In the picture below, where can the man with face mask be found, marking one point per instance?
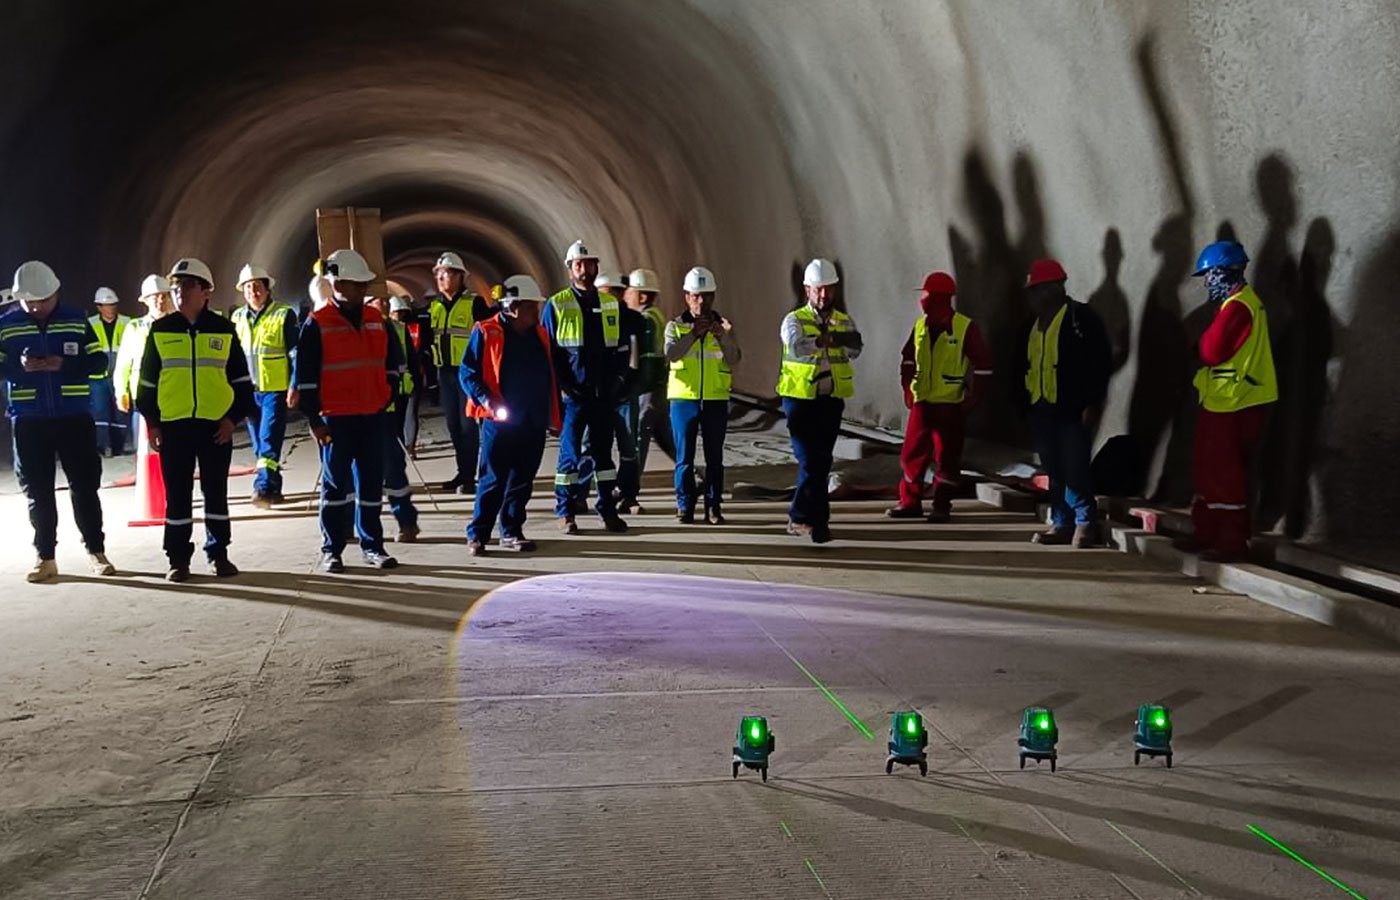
(1068, 363)
(945, 363)
(453, 312)
(819, 342)
(194, 391)
(48, 358)
(592, 369)
(347, 372)
(508, 377)
(1236, 383)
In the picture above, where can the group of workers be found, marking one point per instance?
(599, 371)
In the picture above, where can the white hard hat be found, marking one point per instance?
(606, 280)
(699, 280)
(194, 268)
(35, 281)
(251, 272)
(105, 297)
(820, 273)
(347, 265)
(320, 291)
(399, 304)
(154, 284)
(450, 260)
(520, 287)
(577, 250)
(644, 280)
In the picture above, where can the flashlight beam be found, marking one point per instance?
(1293, 855)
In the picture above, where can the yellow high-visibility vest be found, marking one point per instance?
(797, 377)
(568, 319)
(455, 324)
(1247, 378)
(940, 366)
(1043, 351)
(265, 342)
(109, 347)
(397, 330)
(702, 374)
(193, 375)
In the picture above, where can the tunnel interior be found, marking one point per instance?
(895, 138)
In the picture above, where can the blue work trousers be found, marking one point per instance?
(110, 422)
(598, 419)
(510, 460)
(352, 478)
(396, 486)
(267, 428)
(813, 426)
(692, 419)
(1063, 446)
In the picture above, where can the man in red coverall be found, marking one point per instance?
(1236, 383)
(945, 362)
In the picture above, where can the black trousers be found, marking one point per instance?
(72, 441)
(184, 443)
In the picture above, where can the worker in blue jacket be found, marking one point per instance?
(49, 356)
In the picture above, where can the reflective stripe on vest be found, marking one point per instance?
(798, 375)
(266, 346)
(193, 375)
(702, 374)
(568, 319)
(1247, 378)
(493, 347)
(452, 325)
(353, 379)
(940, 368)
(108, 347)
(1043, 352)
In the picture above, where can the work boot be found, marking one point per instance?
(714, 516)
(516, 544)
(275, 497)
(179, 573)
(476, 548)
(261, 500)
(624, 507)
(408, 534)
(101, 565)
(568, 525)
(450, 487)
(821, 534)
(912, 511)
(798, 529)
(613, 523)
(378, 559)
(43, 570)
(467, 487)
(220, 567)
(685, 516)
(1054, 536)
(332, 563)
(938, 516)
(1086, 536)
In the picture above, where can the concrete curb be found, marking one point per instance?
(1327, 606)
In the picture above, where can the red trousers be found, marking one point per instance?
(1225, 443)
(936, 430)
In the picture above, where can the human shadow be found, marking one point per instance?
(1110, 301)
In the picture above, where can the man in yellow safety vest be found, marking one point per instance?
(110, 326)
(268, 332)
(452, 313)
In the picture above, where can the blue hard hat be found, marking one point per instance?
(1221, 254)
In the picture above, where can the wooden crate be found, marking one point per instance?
(356, 229)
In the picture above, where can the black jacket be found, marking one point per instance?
(1085, 362)
(235, 370)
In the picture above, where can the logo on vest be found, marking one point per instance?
(216, 343)
(70, 348)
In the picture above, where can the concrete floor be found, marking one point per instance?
(560, 725)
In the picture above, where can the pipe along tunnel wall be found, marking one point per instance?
(894, 137)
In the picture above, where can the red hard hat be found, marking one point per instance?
(1045, 270)
(940, 283)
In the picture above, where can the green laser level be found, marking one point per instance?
(1039, 734)
(908, 738)
(1153, 736)
(752, 745)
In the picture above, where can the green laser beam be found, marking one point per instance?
(1316, 870)
(813, 869)
(786, 830)
(829, 695)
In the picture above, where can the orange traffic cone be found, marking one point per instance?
(150, 483)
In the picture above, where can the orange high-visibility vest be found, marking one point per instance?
(494, 344)
(353, 381)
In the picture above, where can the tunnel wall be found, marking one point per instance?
(895, 137)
